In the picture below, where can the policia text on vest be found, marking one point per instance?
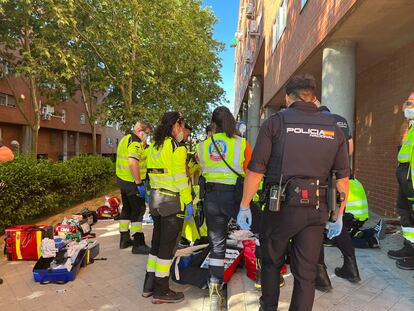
(298, 158)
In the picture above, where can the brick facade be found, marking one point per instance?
(384, 40)
(50, 139)
(380, 126)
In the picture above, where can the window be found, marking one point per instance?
(279, 24)
(82, 118)
(109, 141)
(7, 100)
(303, 3)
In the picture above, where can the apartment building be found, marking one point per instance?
(64, 128)
(360, 52)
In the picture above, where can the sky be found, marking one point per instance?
(227, 14)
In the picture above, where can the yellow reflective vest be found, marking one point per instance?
(406, 152)
(213, 167)
(130, 146)
(357, 203)
(167, 169)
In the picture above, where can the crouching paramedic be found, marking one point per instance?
(169, 187)
(223, 158)
(131, 171)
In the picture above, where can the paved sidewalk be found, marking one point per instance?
(383, 286)
(114, 284)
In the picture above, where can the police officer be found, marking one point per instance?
(220, 202)
(170, 196)
(131, 171)
(296, 150)
(405, 200)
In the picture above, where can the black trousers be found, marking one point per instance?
(304, 227)
(219, 207)
(404, 205)
(133, 206)
(165, 235)
(343, 240)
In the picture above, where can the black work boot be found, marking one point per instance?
(216, 295)
(149, 284)
(138, 244)
(163, 293)
(322, 281)
(405, 252)
(349, 270)
(405, 263)
(125, 240)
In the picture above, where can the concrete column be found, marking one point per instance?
(253, 112)
(77, 149)
(26, 146)
(339, 78)
(243, 112)
(65, 145)
(270, 110)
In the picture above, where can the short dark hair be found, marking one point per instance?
(301, 83)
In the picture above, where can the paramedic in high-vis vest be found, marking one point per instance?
(220, 203)
(169, 200)
(405, 201)
(131, 171)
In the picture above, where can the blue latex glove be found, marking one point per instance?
(190, 211)
(244, 218)
(141, 190)
(335, 228)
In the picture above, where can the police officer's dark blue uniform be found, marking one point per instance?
(304, 146)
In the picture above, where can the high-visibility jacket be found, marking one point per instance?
(213, 167)
(167, 169)
(130, 146)
(406, 152)
(406, 156)
(357, 203)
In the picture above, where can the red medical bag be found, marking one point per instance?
(23, 242)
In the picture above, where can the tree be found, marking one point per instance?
(30, 43)
(157, 55)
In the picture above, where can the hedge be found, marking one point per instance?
(33, 188)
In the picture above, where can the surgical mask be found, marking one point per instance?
(144, 137)
(409, 113)
(180, 137)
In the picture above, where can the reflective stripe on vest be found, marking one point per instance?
(214, 168)
(123, 170)
(405, 153)
(408, 233)
(357, 203)
(162, 160)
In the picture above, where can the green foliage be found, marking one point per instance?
(34, 188)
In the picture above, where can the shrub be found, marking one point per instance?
(34, 188)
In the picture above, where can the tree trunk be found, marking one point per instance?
(93, 127)
(36, 110)
(35, 138)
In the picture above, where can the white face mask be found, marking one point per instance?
(180, 137)
(409, 113)
(144, 137)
